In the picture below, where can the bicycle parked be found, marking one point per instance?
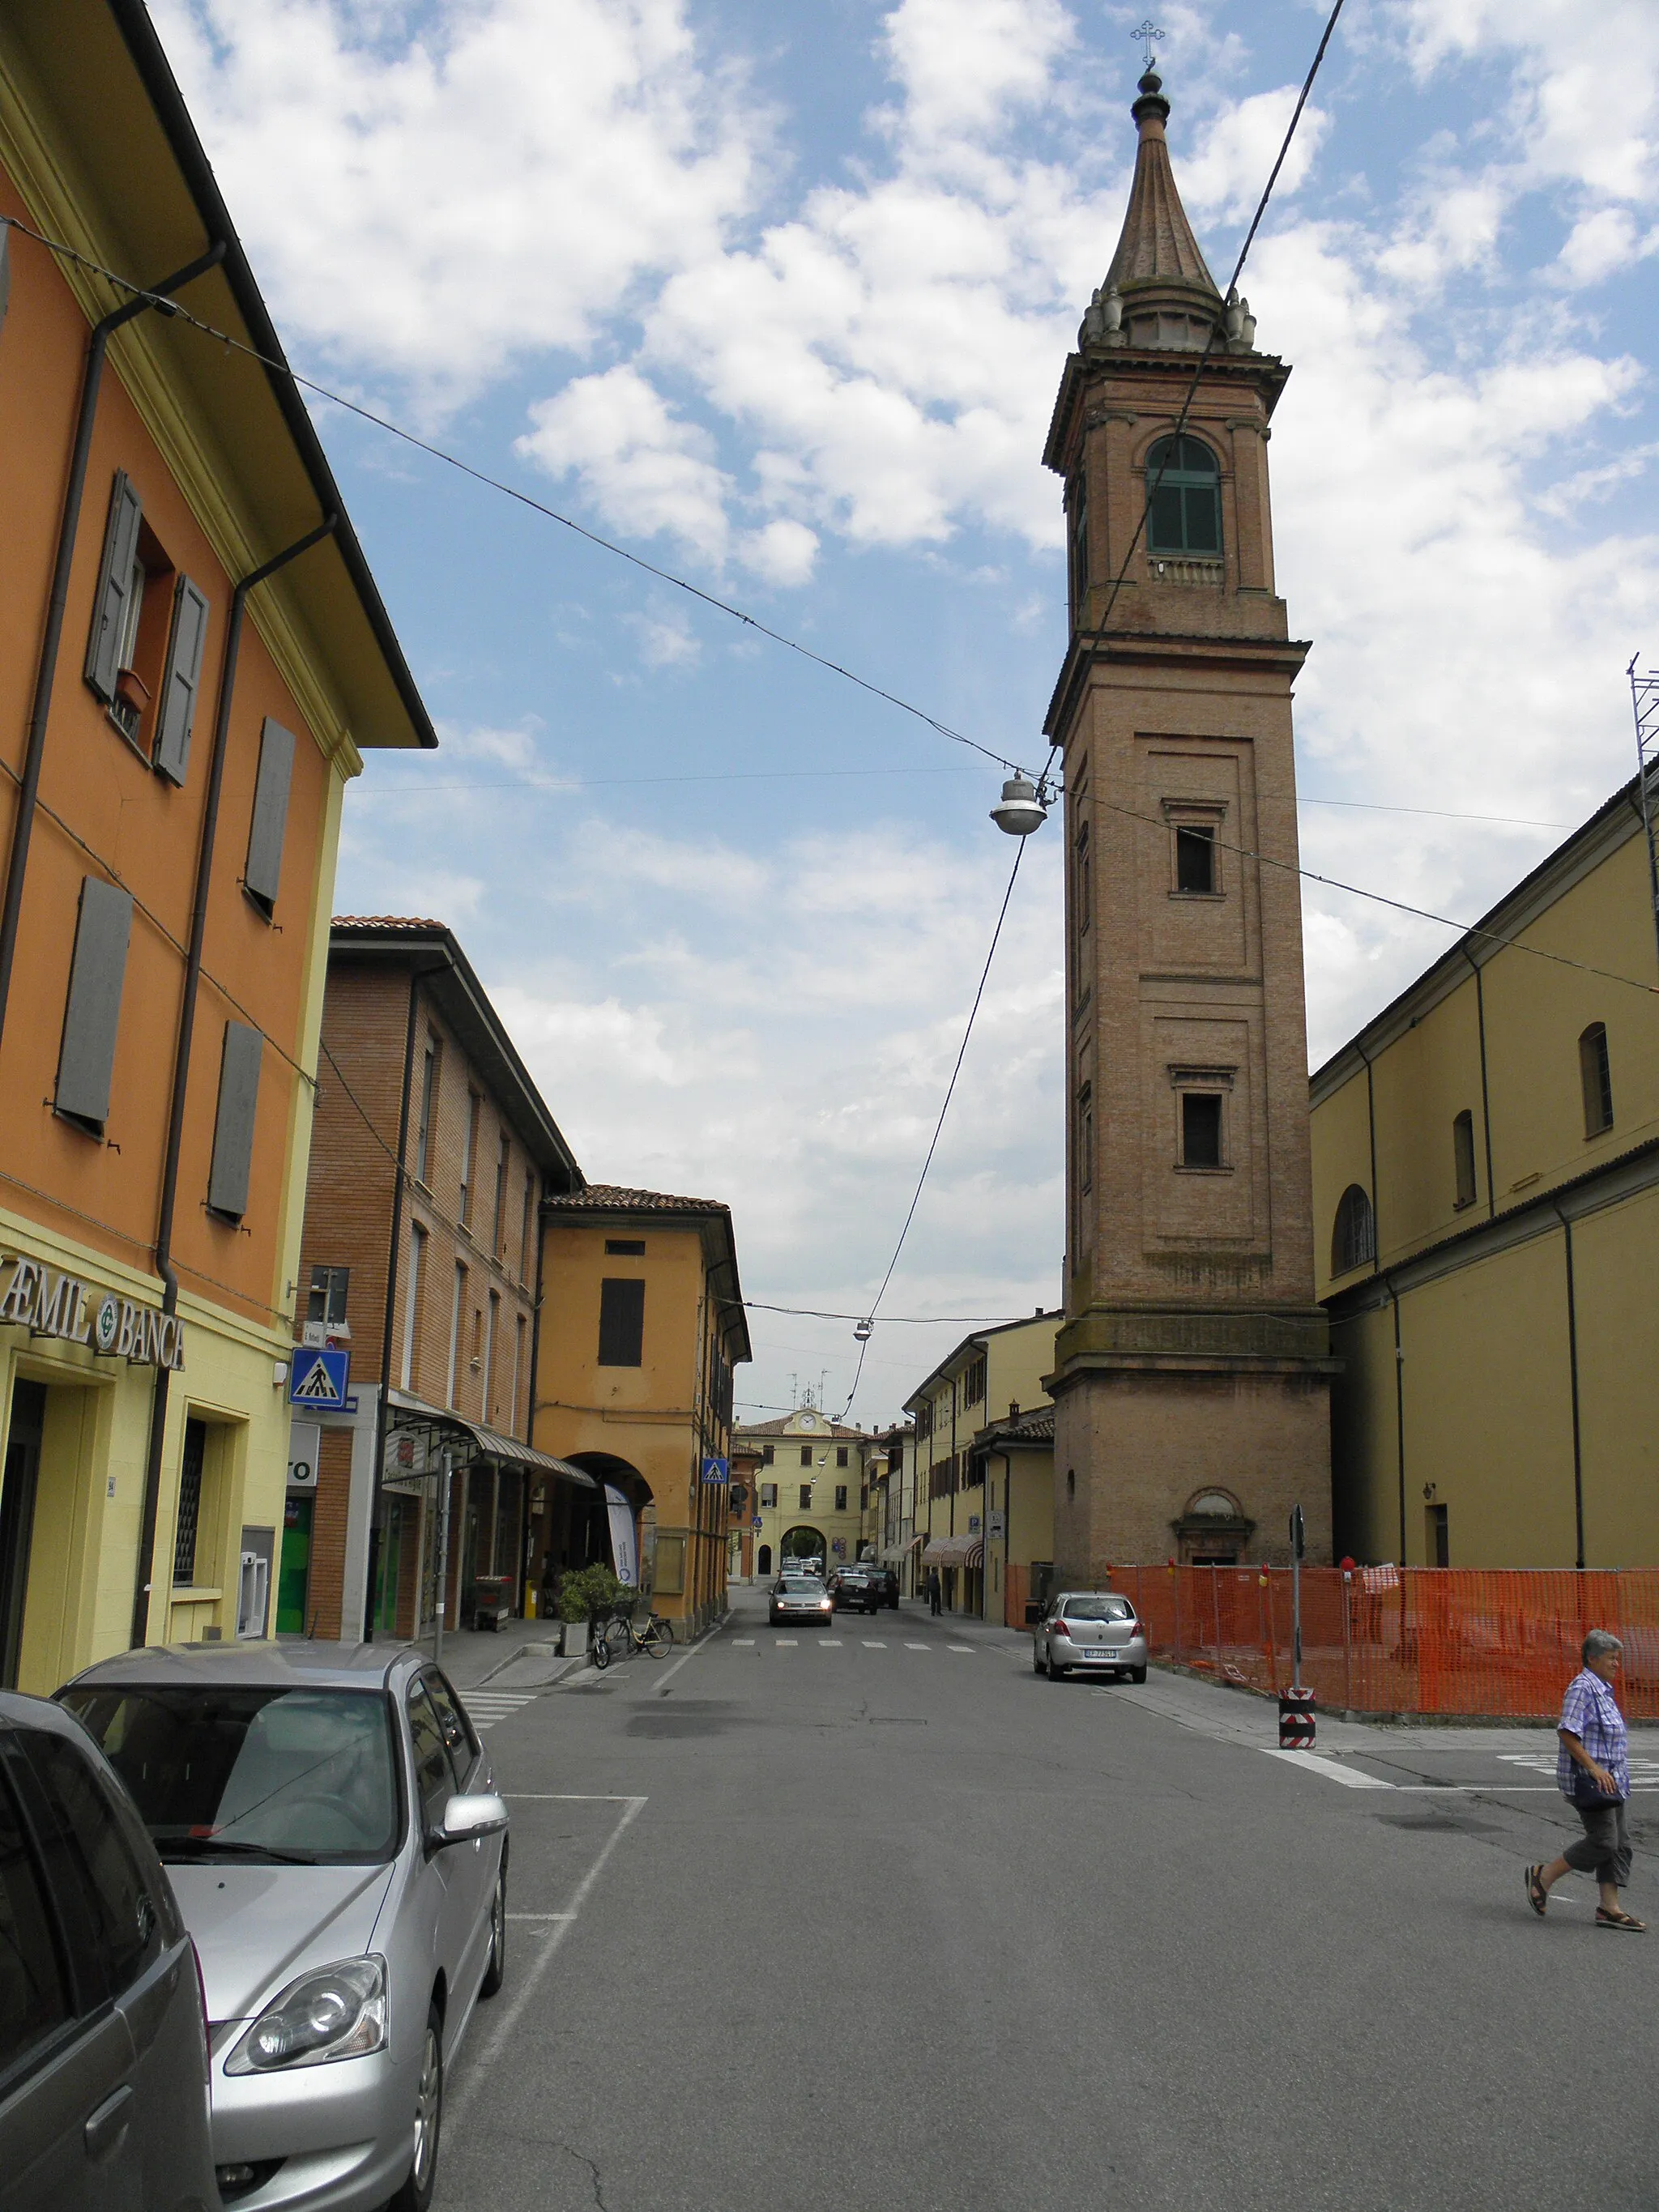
(617, 1636)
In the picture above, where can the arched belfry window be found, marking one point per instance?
(1353, 1244)
(1183, 499)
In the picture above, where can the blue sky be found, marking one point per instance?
(778, 296)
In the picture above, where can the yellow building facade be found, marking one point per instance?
(984, 1511)
(642, 1325)
(812, 1479)
(1485, 1162)
(193, 658)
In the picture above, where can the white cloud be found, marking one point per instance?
(1603, 244)
(644, 469)
(1225, 176)
(501, 179)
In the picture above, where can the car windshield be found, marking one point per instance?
(289, 1776)
(1098, 1608)
(803, 1586)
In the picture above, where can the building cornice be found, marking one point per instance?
(1272, 656)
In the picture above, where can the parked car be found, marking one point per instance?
(886, 1582)
(801, 1597)
(103, 2046)
(329, 1819)
(1096, 1631)
(852, 1590)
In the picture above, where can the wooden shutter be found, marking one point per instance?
(621, 1321)
(264, 874)
(233, 1131)
(181, 676)
(97, 972)
(109, 605)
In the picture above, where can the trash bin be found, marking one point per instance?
(491, 1600)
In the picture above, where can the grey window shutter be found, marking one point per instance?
(264, 840)
(109, 605)
(232, 1132)
(181, 679)
(97, 972)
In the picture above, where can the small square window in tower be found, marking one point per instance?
(1200, 1129)
(1194, 859)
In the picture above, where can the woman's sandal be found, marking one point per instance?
(1537, 1896)
(1625, 1920)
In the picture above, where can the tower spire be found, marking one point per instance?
(1159, 291)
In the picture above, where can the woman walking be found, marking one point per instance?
(1593, 1772)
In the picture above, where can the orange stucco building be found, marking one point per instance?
(193, 657)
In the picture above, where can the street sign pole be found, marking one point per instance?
(443, 1563)
(1298, 1544)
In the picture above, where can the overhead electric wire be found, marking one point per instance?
(896, 1320)
(172, 310)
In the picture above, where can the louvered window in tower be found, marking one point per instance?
(1183, 499)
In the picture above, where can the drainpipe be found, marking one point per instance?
(45, 671)
(1572, 1361)
(143, 1572)
(376, 1510)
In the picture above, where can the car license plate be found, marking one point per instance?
(1107, 1655)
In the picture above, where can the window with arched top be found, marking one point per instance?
(1353, 1243)
(1183, 499)
(1595, 1072)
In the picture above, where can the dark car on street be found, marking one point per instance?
(885, 1583)
(854, 1591)
(103, 2040)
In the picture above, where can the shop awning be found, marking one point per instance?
(432, 1433)
(954, 1551)
(896, 1554)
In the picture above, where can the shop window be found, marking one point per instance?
(327, 1299)
(621, 1321)
(233, 1129)
(187, 1527)
(1463, 1156)
(1595, 1073)
(98, 969)
(268, 829)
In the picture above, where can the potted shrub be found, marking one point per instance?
(588, 1594)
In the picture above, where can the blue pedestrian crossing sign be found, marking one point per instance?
(716, 1470)
(319, 1379)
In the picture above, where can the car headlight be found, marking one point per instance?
(336, 2012)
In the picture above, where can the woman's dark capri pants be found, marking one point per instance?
(1604, 1848)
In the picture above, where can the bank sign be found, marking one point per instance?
(49, 1305)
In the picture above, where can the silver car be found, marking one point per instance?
(801, 1597)
(1092, 1632)
(327, 1816)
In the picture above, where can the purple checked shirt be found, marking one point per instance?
(1590, 1712)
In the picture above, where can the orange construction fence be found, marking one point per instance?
(1500, 1641)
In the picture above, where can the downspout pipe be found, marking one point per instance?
(34, 750)
(400, 1174)
(143, 1572)
(1572, 1371)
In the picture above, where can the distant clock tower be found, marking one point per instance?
(1193, 1371)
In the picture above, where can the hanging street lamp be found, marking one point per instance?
(1025, 807)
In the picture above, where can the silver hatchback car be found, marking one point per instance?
(1092, 1632)
(801, 1597)
(327, 1816)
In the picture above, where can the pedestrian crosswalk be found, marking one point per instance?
(485, 1707)
(866, 1643)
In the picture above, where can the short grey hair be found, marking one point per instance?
(1598, 1643)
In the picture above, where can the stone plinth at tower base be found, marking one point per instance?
(1190, 1435)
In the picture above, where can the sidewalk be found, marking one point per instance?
(472, 1656)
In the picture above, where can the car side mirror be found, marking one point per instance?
(467, 1819)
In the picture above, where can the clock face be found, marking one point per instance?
(807, 1421)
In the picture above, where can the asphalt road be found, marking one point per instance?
(876, 1926)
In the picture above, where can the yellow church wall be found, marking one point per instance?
(1341, 1156)
(1364, 1438)
(1618, 1381)
(1422, 1082)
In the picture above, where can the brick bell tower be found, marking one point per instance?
(1192, 1372)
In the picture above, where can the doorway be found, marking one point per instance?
(22, 1482)
(763, 1560)
(294, 1574)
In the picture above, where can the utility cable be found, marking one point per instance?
(950, 1093)
(896, 1320)
(278, 367)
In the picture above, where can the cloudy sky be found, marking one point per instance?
(778, 295)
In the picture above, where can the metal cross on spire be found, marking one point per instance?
(1147, 32)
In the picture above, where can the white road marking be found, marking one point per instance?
(742, 1642)
(659, 1687)
(787, 1643)
(830, 1643)
(918, 1647)
(870, 1644)
(503, 2023)
(960, 1647)
(1317, 1762)
(541, 1915)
